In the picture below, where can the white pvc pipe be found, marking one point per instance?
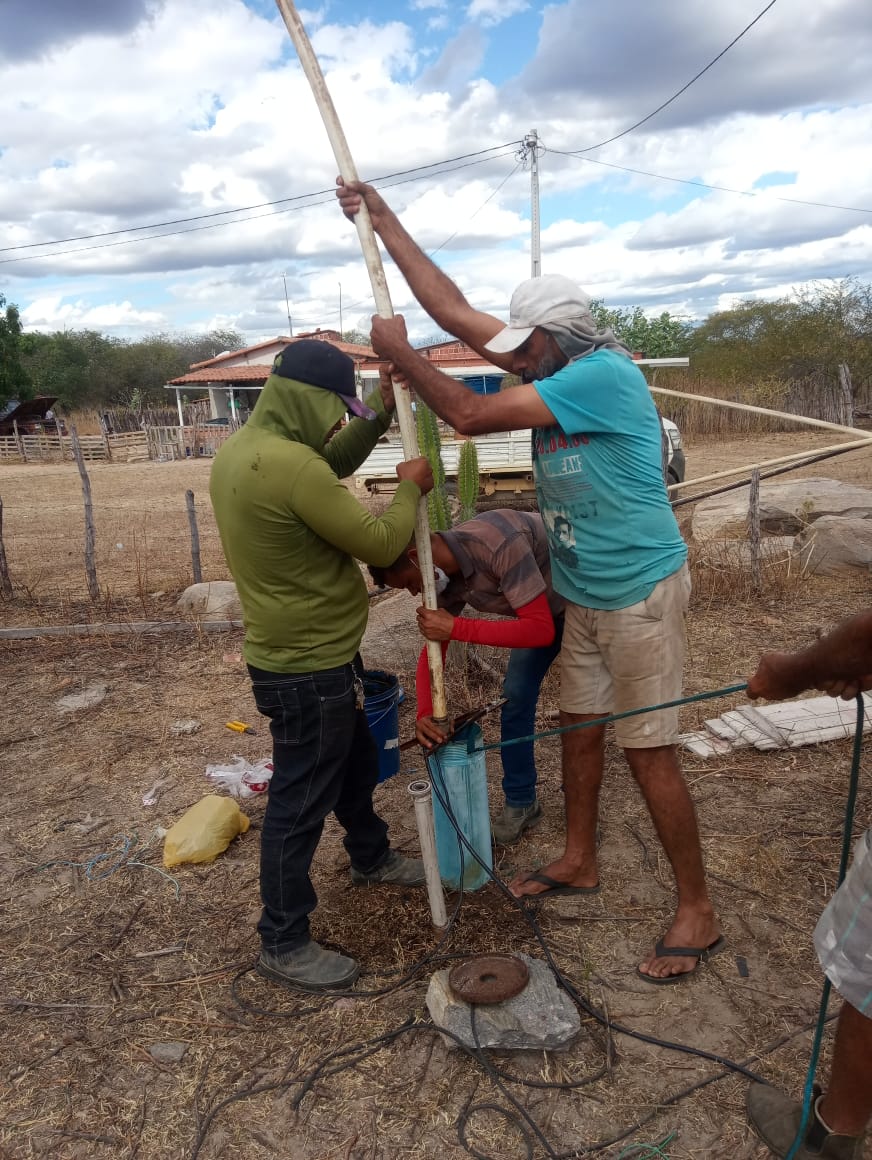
(406, 419)
(420, 791)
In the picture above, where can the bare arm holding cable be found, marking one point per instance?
(840, 663)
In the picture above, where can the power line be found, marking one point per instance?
(684, 88)
(386, 184)
(489, 198)
(324, 200)
(213, 225)
(442, 245)
(703, 185)
(303, 201)
(285, 201)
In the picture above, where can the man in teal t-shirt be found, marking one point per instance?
(617, 555)
(600, 483)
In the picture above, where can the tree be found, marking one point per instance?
(662, 336)
(83, 368)
(78, 367)
(802, 336)
(14, 379)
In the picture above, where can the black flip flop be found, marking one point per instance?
(555, 888)
(701, 954)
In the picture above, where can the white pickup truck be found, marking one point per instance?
(504, 462)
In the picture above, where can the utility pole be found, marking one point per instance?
(531, 150)
(339, 284)
(288, 306)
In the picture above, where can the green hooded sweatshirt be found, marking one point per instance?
(291, 530)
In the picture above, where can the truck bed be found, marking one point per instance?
(502, 459)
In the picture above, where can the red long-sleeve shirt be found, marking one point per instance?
(532, 626)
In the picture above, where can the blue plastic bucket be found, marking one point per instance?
(459, 773)
(381, 693)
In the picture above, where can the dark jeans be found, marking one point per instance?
(324, 759)
(524, 676)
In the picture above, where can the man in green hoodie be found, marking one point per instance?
(292, 534)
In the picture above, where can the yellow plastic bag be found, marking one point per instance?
(204, 831)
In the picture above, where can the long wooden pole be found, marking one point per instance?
(348, 170)
(803, 420)
(797, 457)
(779, 470)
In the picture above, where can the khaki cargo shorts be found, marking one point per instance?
(843, 936)
(627, 658)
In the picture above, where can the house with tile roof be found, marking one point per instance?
(233, 380)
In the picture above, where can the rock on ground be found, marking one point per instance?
(831, 545)
(786, 509)
(541, 1018)
(215, 598)
(91, 696)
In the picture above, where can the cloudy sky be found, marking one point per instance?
(163, 165)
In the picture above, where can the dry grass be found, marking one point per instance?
(143, 543)
(84, 997)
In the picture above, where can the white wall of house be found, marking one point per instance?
(263, 356)
(369, 375)
(219, 401)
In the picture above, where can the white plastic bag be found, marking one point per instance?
(241, 779)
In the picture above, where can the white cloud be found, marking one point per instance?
(490, 12)
(53, 313)
(210, 111)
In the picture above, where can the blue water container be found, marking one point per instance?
(381, 698)
(458, 772)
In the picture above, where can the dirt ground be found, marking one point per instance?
(133, 1026)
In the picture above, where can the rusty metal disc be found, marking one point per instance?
(489, 978)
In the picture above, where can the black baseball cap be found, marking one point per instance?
(320, 364)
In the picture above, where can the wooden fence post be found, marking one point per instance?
(60, 436)
(18, 440)
(5, 582)
(847, 394)
(90, 566)
(754, 529)
(195, 537)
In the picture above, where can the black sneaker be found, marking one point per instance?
(512, 822)
(775, 1117)
(308, 968)
(396, 870)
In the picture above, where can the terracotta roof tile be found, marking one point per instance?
(354, 349)
(247, 372)
(449, 354)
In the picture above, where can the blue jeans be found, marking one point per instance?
(524, 676)
(324, 759)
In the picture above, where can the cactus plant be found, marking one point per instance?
(430, 444)
(467, 479)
